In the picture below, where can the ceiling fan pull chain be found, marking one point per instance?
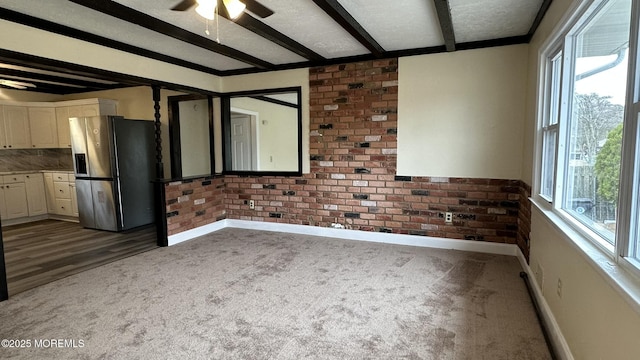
(217, 26)
(206, 31)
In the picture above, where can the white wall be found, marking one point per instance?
(594, 318)
(462, 114)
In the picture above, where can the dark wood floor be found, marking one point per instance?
(41, 252)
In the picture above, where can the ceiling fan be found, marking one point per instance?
(232, 8)
(16, 84)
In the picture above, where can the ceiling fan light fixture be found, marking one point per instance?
(234, 7)
(206, 8)
(16, 84)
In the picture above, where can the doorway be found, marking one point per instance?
(244, 140)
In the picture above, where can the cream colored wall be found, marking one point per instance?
(595, 320)
(277, 79)
(194, 137)
(462, 114)
(33, 41)
(21, 95)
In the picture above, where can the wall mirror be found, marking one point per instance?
(191, 135)
(263, 132)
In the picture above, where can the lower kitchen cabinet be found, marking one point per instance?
(15, 200)
(61, 194)
(28, 197)
(36, 196)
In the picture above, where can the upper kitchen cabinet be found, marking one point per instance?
(79, 108)
(42, 123)
(14, 125)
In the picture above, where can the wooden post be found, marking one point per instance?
(4, 289)
(156, 106)
(161, 212)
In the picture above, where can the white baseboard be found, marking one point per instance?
(388, 238)
(553, 329)
(197, 232)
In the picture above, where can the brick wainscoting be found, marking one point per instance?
(194, 203)
(353, 181)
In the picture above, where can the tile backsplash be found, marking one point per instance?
(35, 159)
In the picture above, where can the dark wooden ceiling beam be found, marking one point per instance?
(62, 81)
(149, 22)
(446, 24)
(50, 26)
(536, 22)
(342, 17)
(258, 27)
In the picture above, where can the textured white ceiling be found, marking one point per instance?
(397, 25)
(305, 22)
(79, 17)
(475, 20)
(230, 34)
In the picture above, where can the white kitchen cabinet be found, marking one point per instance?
(15, 127)
(36, 196)
(50, 193)
(61, 193)
(62, 127)
(43, 127)
(74, 199)
(91, 107)
(15, 198)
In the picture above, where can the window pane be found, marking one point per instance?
(554, 101)
(595, 133)
(548, 162)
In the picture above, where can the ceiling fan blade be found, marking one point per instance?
(184, 5)
(257, 8)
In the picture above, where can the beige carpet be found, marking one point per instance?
(244, 294)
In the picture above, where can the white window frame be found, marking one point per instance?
(628, 220)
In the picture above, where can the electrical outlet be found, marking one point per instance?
(448, 217)
(559, 290)
(539, 275)
(252, 204)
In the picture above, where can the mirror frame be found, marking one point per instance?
(226, 131)
(175, 145)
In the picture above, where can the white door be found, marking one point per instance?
(241, 142)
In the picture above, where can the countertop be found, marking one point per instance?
(34, 171)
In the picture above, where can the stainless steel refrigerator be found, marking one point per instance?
(113, 163)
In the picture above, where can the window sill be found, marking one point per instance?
(621, 280)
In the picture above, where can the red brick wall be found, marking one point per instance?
(353, 147)
(194, 203)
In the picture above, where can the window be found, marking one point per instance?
(582, 128)
(550, 126)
